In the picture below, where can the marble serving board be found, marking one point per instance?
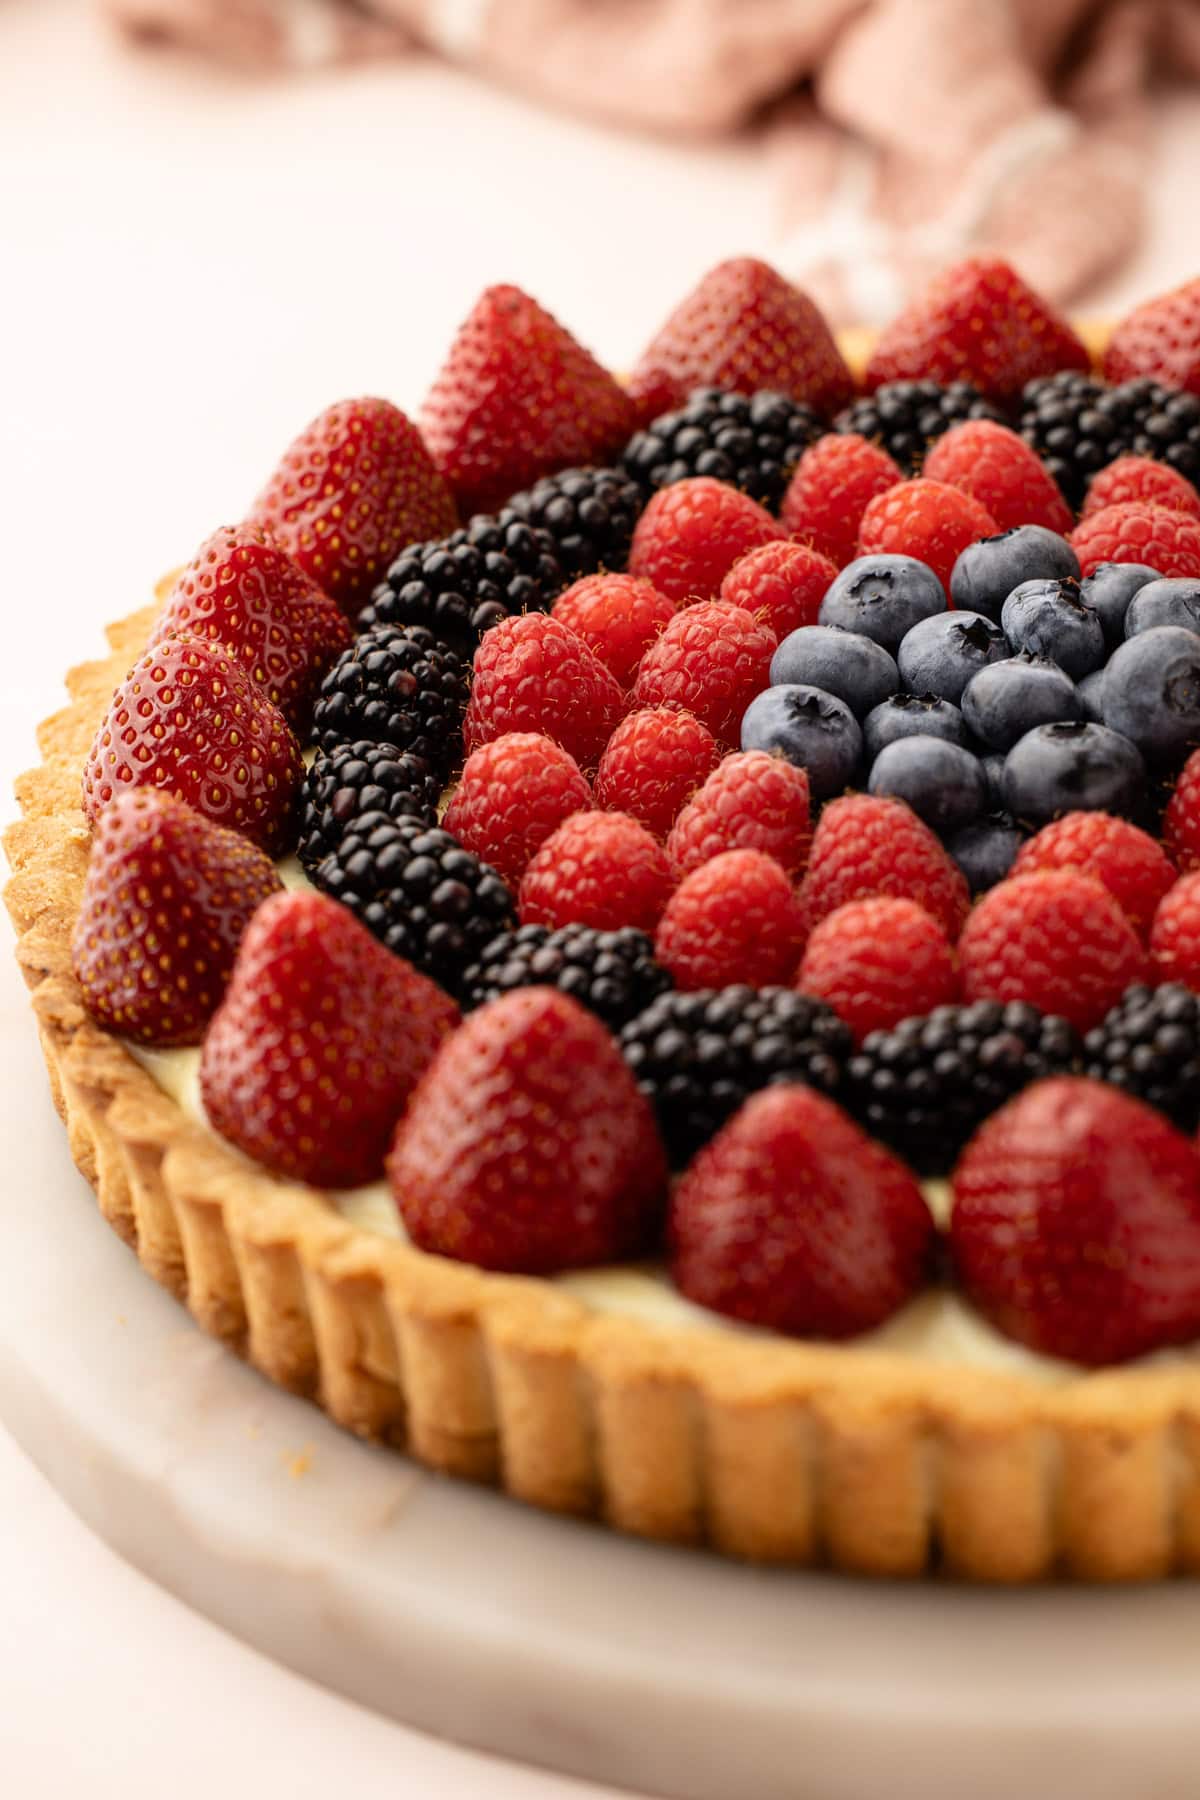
(671, 1673)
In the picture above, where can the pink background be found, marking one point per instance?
(191, 267)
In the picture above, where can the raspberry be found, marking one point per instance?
(1175, 935)
(1076, 1223)
(527, 1146)
(1057, 939)
(711, 660)
(1123, 859)
(617, 616)
(598, 868)
(692, 533)
(511, 795)
(866, 845)
(1181, 823)
(784, 584)
(1141, 479)
(1134, 532)
(793, 1219)
(830, 491)
(753, 801)
(532, 674)
(879, 961)
(996, 467)
(925, 519)
(653, 764)
(736, 919)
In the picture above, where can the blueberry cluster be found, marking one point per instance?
(1036, 693)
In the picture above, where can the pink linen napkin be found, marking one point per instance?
(904, 133)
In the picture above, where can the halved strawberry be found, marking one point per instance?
(242, 592)
(189, 719)
(516, 398)
(1076, 1223)
(1160, 338)
(350, 492)
(320, 1040)
(792, 1218)
(743, 327)
(976, 321)
(167, 897)
(528, 1146)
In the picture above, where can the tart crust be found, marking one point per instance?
(770, 1450)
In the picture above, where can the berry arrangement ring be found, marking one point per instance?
(638, 941)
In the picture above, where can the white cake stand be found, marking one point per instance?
(458, 1611)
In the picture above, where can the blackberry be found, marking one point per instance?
(460, 585)
(396, 685)
(353, 779)
(1078, 426)
(925, 1086)
(1149, 1045)
(588, 513)
(698, 1056)
(1163, 422)
(612, 972)
(751, 441)
(904, 417)
(419, 892)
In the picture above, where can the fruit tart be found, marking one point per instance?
(640, 941)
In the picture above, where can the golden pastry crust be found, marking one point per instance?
(764, 1449)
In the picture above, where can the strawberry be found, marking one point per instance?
(188, 718)
(1076, 1223)
(349, 493)
(1161, 339)
(743, 328)
(321, 1038)
(518, 398)
(243, 592)
(977, 321)
(793, 1219)
(166, 900)
(528, 1146)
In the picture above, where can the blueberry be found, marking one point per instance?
(943, 783)
(815, 731)
(986, 850)
(883, 597)
(1007, 699)
(1164, 603)
(1081, 767)
(939, 656)
(987, 571)
(1091, 695)
(1049, 618)
(845, 663)
(1109, 589)
(993, 774)
(1152, 692)
(912, 715)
